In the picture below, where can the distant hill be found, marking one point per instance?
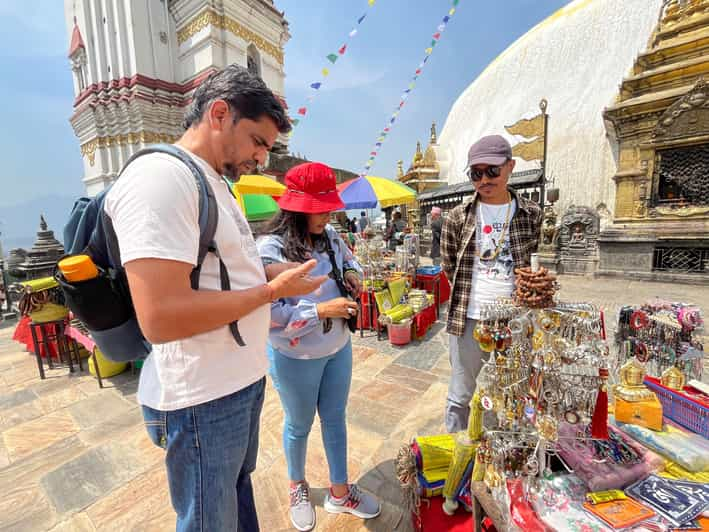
(19, 223)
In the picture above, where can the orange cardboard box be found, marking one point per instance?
(644, 413)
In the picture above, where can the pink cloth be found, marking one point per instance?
(81, 338)
(604, 475)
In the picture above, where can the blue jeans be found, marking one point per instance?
(211, 453)
(304, 386)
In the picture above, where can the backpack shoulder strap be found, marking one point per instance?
(208, 219)
(208, 212)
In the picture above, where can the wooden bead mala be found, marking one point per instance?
(535, 289)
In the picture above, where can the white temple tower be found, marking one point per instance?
(137, 62)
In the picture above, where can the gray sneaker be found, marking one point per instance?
(301, 512)
(356, 502)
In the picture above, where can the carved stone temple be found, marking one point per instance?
(41, 259)
(660, 228)
(578, 241)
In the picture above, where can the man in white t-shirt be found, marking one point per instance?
(201, 393)
(482, 242)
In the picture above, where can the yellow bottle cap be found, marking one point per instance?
(78, 268)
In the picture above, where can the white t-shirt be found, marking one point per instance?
(154, 209)
(492, 279)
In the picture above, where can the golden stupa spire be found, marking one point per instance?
(418, 156)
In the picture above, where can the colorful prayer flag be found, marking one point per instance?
(332, 58)
(428, 51)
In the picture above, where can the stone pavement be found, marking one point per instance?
(74, 457)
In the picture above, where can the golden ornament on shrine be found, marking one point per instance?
(632, 373)
(673, 378)
(631, 387)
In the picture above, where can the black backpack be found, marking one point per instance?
(104, 303)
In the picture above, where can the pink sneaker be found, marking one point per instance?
(356, 502)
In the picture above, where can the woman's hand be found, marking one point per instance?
(340, 307)
(353, 283)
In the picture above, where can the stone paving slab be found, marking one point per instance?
(96, 409)
(74, 457)
(90, 476)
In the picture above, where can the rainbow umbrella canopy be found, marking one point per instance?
(369, 191)
(255, 194)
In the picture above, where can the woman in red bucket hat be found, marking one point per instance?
(310, 349)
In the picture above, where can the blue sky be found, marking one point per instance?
(41, 155)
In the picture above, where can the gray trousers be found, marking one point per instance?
(466, 359)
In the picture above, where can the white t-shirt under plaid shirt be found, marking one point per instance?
(492, 279)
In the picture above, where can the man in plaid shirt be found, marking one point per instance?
(483, 241)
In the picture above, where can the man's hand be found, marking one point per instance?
(340, 307)
(353, 283)
(275, 269)
(296, 281)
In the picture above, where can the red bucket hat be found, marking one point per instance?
(311, 188)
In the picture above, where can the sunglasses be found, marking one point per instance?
(490, 171)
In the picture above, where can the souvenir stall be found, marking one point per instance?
(389, 299)
(543, 450)
(43, 324)
(434, 280)
(663, 340)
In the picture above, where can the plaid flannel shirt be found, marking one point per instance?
(458, 250)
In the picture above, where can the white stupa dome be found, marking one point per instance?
(576, 60)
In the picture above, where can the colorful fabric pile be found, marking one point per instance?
(433, 457)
